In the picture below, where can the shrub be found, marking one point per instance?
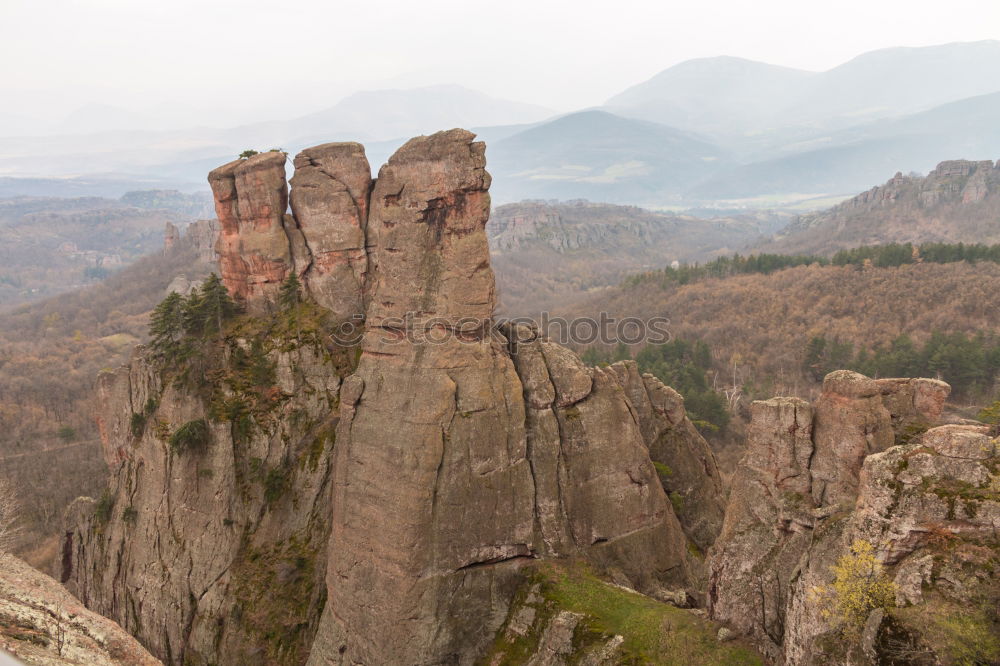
(192, 436)
(67, 434)
(859, 587)
(105, 505)
(275, 484)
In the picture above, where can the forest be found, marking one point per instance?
(970, 363)
(879, 256)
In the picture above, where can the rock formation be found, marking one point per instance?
(818, 479)
(545, 253)
(329, 201)
(41, 623)
(379, 503)
(251, 197)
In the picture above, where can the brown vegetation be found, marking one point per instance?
(758, 326)
(49, 246)
(9, 516)
(50, 355)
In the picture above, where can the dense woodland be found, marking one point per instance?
(879, 256)
(761, 326)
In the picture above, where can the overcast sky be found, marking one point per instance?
(225, 62)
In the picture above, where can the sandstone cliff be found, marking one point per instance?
(279, 493)
(41, 623)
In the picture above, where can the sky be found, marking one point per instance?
(222, 63)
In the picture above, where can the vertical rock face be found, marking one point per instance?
(851, 422)
(251, 197)
(452, 471)
(432, 500)
(429, 211)
(329, 199)
(790, 509)
(215, 555)
(170, 237)
(453, 454)
(768, 524)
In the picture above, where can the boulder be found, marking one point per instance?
(42, 623)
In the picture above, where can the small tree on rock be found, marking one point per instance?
(166, 325)
(290, 293)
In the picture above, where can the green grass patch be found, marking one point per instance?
(653, 632)
(663, 470)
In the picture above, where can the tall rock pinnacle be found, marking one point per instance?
(330, 191)
(418, 478)
(251, 197)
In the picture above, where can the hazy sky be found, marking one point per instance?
(223, 62)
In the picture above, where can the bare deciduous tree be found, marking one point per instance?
(9, 515)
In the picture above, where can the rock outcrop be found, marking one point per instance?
(42, 623)
(329, 199)
(545, 253)
(214, 552)
(817, 480)
(251, 197)
(284, 495)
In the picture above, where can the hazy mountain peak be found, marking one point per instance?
(390, 113)
(727, 95)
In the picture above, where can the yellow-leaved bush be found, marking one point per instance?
(859, 587)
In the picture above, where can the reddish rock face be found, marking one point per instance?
(460, 459)
(851, 422)
(463, 450)
(251, 197)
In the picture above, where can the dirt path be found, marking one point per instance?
(36, 452)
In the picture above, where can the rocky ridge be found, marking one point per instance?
(953, 203)
(394, 490)
(545, 253)
(284, 496)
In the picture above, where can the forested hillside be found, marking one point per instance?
(775, 333)
(50, 245)
(50, 355)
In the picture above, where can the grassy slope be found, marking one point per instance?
(653, 632)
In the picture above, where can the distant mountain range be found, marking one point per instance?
(733, 97)
(709, 132)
